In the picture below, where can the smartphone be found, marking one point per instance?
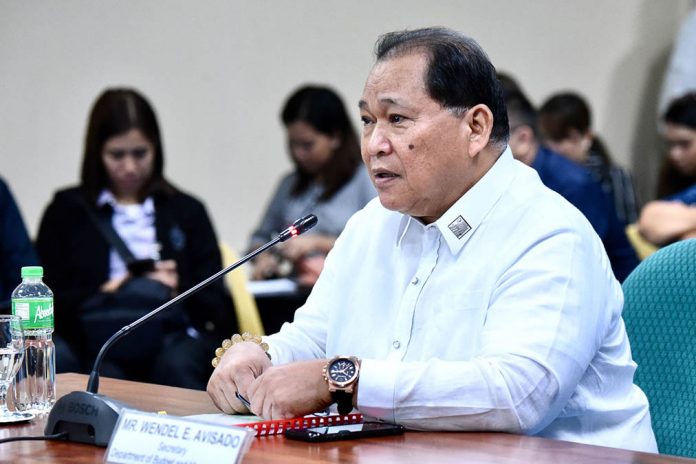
(344, 432)
(139, 267)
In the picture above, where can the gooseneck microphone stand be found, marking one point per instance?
(89, 417)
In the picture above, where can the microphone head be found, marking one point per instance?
(298, 227)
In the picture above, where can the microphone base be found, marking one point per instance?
(87, 417)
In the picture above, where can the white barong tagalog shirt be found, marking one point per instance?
(503, 315)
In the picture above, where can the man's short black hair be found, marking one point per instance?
(562, 114)
(459, 74)
(520, 110)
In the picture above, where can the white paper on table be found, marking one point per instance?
(272, 287)
(226, 419)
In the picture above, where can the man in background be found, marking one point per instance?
(571, 180)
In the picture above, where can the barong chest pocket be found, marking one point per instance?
(457, 308)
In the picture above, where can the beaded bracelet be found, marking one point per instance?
(236, 338)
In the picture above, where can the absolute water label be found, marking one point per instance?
(35, 313)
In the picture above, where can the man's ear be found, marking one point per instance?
(586, 141)
(479, 121)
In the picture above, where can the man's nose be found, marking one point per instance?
(377, 143)
(675, 153)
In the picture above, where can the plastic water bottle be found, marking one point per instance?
(32, 301)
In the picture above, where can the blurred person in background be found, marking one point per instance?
(565, 126)
(571, 180)
(123, 185)
(329, 180)
(673, 216)
(16, 249)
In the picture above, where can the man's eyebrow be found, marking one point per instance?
(390, 101)
(362, 104)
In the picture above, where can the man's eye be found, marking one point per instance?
(682, 144)
(365, 120)
(396, 118)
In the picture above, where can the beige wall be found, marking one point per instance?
(218, 71)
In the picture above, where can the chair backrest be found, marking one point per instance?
(660, 316)
(248, 319)
(639, 243)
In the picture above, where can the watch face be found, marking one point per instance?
(341, 370)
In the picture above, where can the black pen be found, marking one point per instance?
(244, 401)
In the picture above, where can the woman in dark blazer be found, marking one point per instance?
(122, 179)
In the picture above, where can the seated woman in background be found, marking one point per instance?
(673, 216)
(123, 191)
(329, 180)
(565, 125)
(16, 249)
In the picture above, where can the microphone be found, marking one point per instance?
(89, 417)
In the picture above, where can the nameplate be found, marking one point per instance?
(141, 437)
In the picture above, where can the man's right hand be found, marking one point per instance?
(238, 368)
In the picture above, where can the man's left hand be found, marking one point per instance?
(290, 390)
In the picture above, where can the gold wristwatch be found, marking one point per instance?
(341, 373)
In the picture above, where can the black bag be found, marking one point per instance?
(104, 314)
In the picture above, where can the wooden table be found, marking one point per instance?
(420, 447)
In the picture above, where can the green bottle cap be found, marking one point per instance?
(32, 271)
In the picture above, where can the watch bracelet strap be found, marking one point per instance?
(344, 401)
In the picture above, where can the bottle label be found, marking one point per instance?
(35, 313)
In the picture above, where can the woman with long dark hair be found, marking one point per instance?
(673, 216)
(329, 180)
(168, 233)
